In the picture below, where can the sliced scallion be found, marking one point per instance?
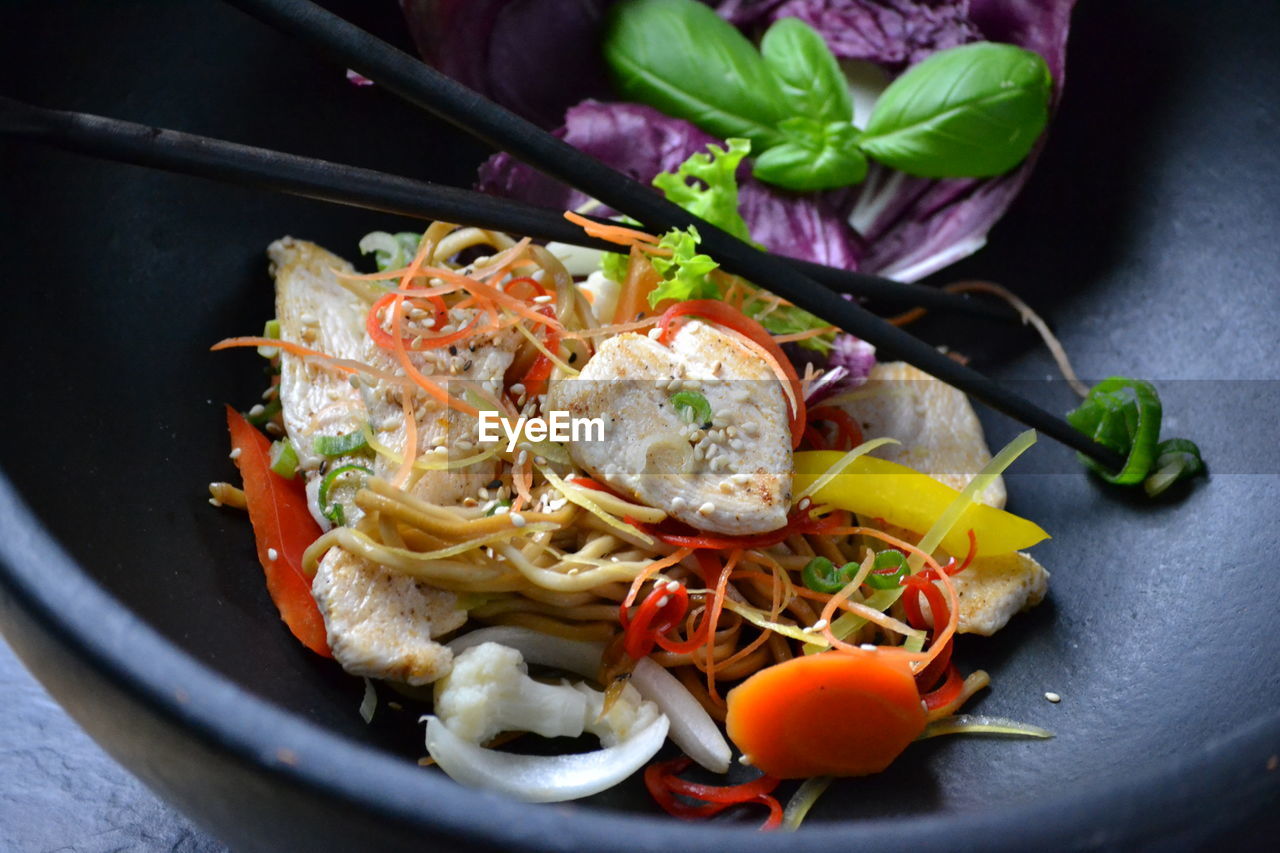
(340, 445)
(265, 414)
(284, 459)
(880, 576)
(692, 408)
(335, 512)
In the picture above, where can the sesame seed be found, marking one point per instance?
(1053, 697)
(750, 428)
(868, 647)
(235, 454)
(543, 299)
(655, 333)
(517, 389)
(503, 510)
(731, 431)
(726, 487)
(517, 519)
(269, 393)
(745, 760)
(214, 502)
(678, 503)
(256, 410)
(273, 428)
(820, 624)
(673, 586)
(707, 508)
(573, 571)
(806, 503)
(483, 493)
(664, 601)
(540, 460)
(522, 457)
(308, 319)
(273, 554)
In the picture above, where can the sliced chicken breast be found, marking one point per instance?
(992, 589)
(731, 474)
(379, 624)
(939, 433)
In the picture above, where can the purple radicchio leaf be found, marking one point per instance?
(891, 33)
(641, 142)
(845, 367)
(916, 226)
(535, 57)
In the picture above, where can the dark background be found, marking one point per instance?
(1149, 235)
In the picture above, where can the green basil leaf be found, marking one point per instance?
(682, 58)
(968, 112)
(808, 73)
(813, 157)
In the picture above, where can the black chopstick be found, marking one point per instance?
(262, 168)
(416, 82)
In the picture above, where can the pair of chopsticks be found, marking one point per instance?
(262, 168)
(422, 86)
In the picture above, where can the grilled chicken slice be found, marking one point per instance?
(379, 624)
(731, 475)
(939, 432)
(992, 589)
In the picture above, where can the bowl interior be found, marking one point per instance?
(1147, 235)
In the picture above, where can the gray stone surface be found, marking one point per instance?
(60, 792)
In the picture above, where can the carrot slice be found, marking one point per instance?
(283, 528)
(829, 714)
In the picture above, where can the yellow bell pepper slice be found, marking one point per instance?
(902, 496)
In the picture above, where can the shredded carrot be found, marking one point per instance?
(713, 617)
(651, 570)
(613, 233)
(287, 346)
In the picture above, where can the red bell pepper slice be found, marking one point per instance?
(283, 524)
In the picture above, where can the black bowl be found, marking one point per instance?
(1149, 234)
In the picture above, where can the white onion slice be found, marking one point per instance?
(543, 778)
(576, 656)
(692, 728)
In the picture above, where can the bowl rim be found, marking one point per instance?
(1164, 799)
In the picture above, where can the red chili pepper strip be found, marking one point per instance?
(911, 603)
(726, 315)
(661, 611)
(282, 525)
(535, 379)
(664, 785)
(927, 678)
(947, 693)
(846, 426)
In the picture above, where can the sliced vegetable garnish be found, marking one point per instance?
(692, 408)
(1176, 459)
(821, 575)
(259, 416)
(982, 724)
(284, 459)
(334, 511)
(665, 786)
(1124, 414)
(283, 529)
(878, 488)
(888, 571)
(830, 714)
(340, 445)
